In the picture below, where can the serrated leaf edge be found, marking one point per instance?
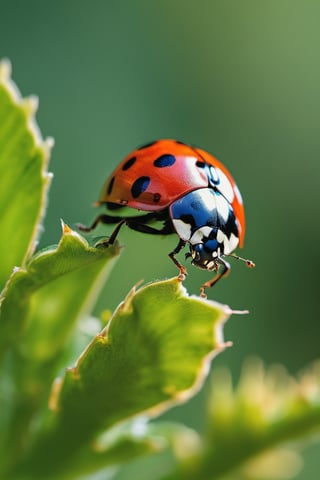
(30, 105)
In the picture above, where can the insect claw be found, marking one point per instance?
(102, 243)
(203, 293)
(182, 274)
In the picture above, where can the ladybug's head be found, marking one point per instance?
(203, 256)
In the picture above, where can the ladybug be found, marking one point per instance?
(190, 192)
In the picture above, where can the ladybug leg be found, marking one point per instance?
(115, 232)
(106, 219)
(183, 270)
(224, 271)
(113, 236)
(139, 226)
(138, 223)
(130, 221)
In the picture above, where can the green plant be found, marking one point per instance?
(153, 353)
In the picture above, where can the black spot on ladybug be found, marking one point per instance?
(129, 163)
(164, 161)
(147, 145)
(200, 164)
(156, 197)
(139, 186)
(110, 186)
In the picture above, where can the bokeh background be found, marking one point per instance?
(238, 78)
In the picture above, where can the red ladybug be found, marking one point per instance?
(186, 189)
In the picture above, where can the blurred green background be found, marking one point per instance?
(239, 78)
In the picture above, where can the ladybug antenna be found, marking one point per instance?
(248, 262)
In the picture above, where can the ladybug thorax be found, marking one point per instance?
(205, 220)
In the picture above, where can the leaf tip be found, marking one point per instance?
(237, 312)
(30, 105)
(67, 233)
(49, 142)
(66, 230)
(5, 69)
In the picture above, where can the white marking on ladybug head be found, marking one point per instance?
(198, 235)
(183, 229)
(220, 236)
(225, 186)
(211, 265)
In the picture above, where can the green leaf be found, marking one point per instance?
(130, 440)
(24, 180)
(154, 354)
(255, 430)
(44, 300)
